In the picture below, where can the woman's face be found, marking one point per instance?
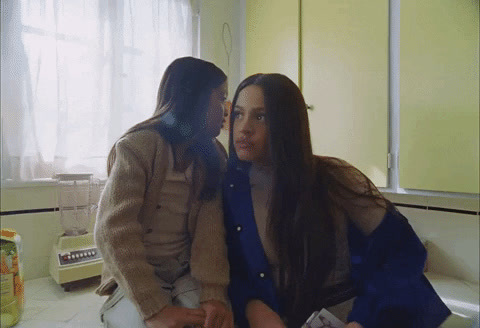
(250, 133)
(215, 110)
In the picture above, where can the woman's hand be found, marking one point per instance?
(176, 317)
(260, 315)
(217, 315)
(353, 325)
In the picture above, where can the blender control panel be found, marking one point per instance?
(79, 256)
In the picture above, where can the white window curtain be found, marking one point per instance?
(75, 74)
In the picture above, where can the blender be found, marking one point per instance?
(74, 255)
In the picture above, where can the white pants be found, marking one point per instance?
(119, 312)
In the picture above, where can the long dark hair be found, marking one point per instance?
(306, 191)
(180, 114)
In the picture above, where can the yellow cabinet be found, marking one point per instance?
(439, 95)
(272, 41)
(337, 51)
(345, 79)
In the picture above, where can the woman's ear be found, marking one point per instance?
(227, 111)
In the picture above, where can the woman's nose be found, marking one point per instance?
(246, 126)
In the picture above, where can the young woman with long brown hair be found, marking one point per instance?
(160, 223)
(308, 232)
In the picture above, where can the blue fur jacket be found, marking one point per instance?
(386, 267)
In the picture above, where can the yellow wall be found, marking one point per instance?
(213, 13)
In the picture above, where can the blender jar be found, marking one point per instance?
(75, 202)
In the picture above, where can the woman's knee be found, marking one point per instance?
(186, 292)
(119, 312)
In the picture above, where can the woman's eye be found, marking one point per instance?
(237, 115)
(261, 117)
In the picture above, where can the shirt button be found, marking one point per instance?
(262, 275)
(239, 228)
(232, 185)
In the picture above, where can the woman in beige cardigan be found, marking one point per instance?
(160, 223)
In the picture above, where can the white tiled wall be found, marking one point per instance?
(453, 241)
(453, 238)
(39, 231)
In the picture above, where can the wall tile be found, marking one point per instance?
(453, 241)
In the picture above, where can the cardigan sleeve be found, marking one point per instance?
(209, 261)
(387, 268)
(118, 233)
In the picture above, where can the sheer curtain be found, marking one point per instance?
(75, 74)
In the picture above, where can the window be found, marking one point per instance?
(77, 74)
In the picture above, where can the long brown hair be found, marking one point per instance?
(180, 114)
(306, 192)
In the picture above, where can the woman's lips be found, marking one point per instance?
(243, 144)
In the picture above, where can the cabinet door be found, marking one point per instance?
(272, 41)
(344, 73)
(439, 97)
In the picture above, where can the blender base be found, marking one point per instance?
(74, 258)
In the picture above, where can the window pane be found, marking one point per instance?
(78, 74)
(439, 95)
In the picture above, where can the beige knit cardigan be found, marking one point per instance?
(126, 205)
